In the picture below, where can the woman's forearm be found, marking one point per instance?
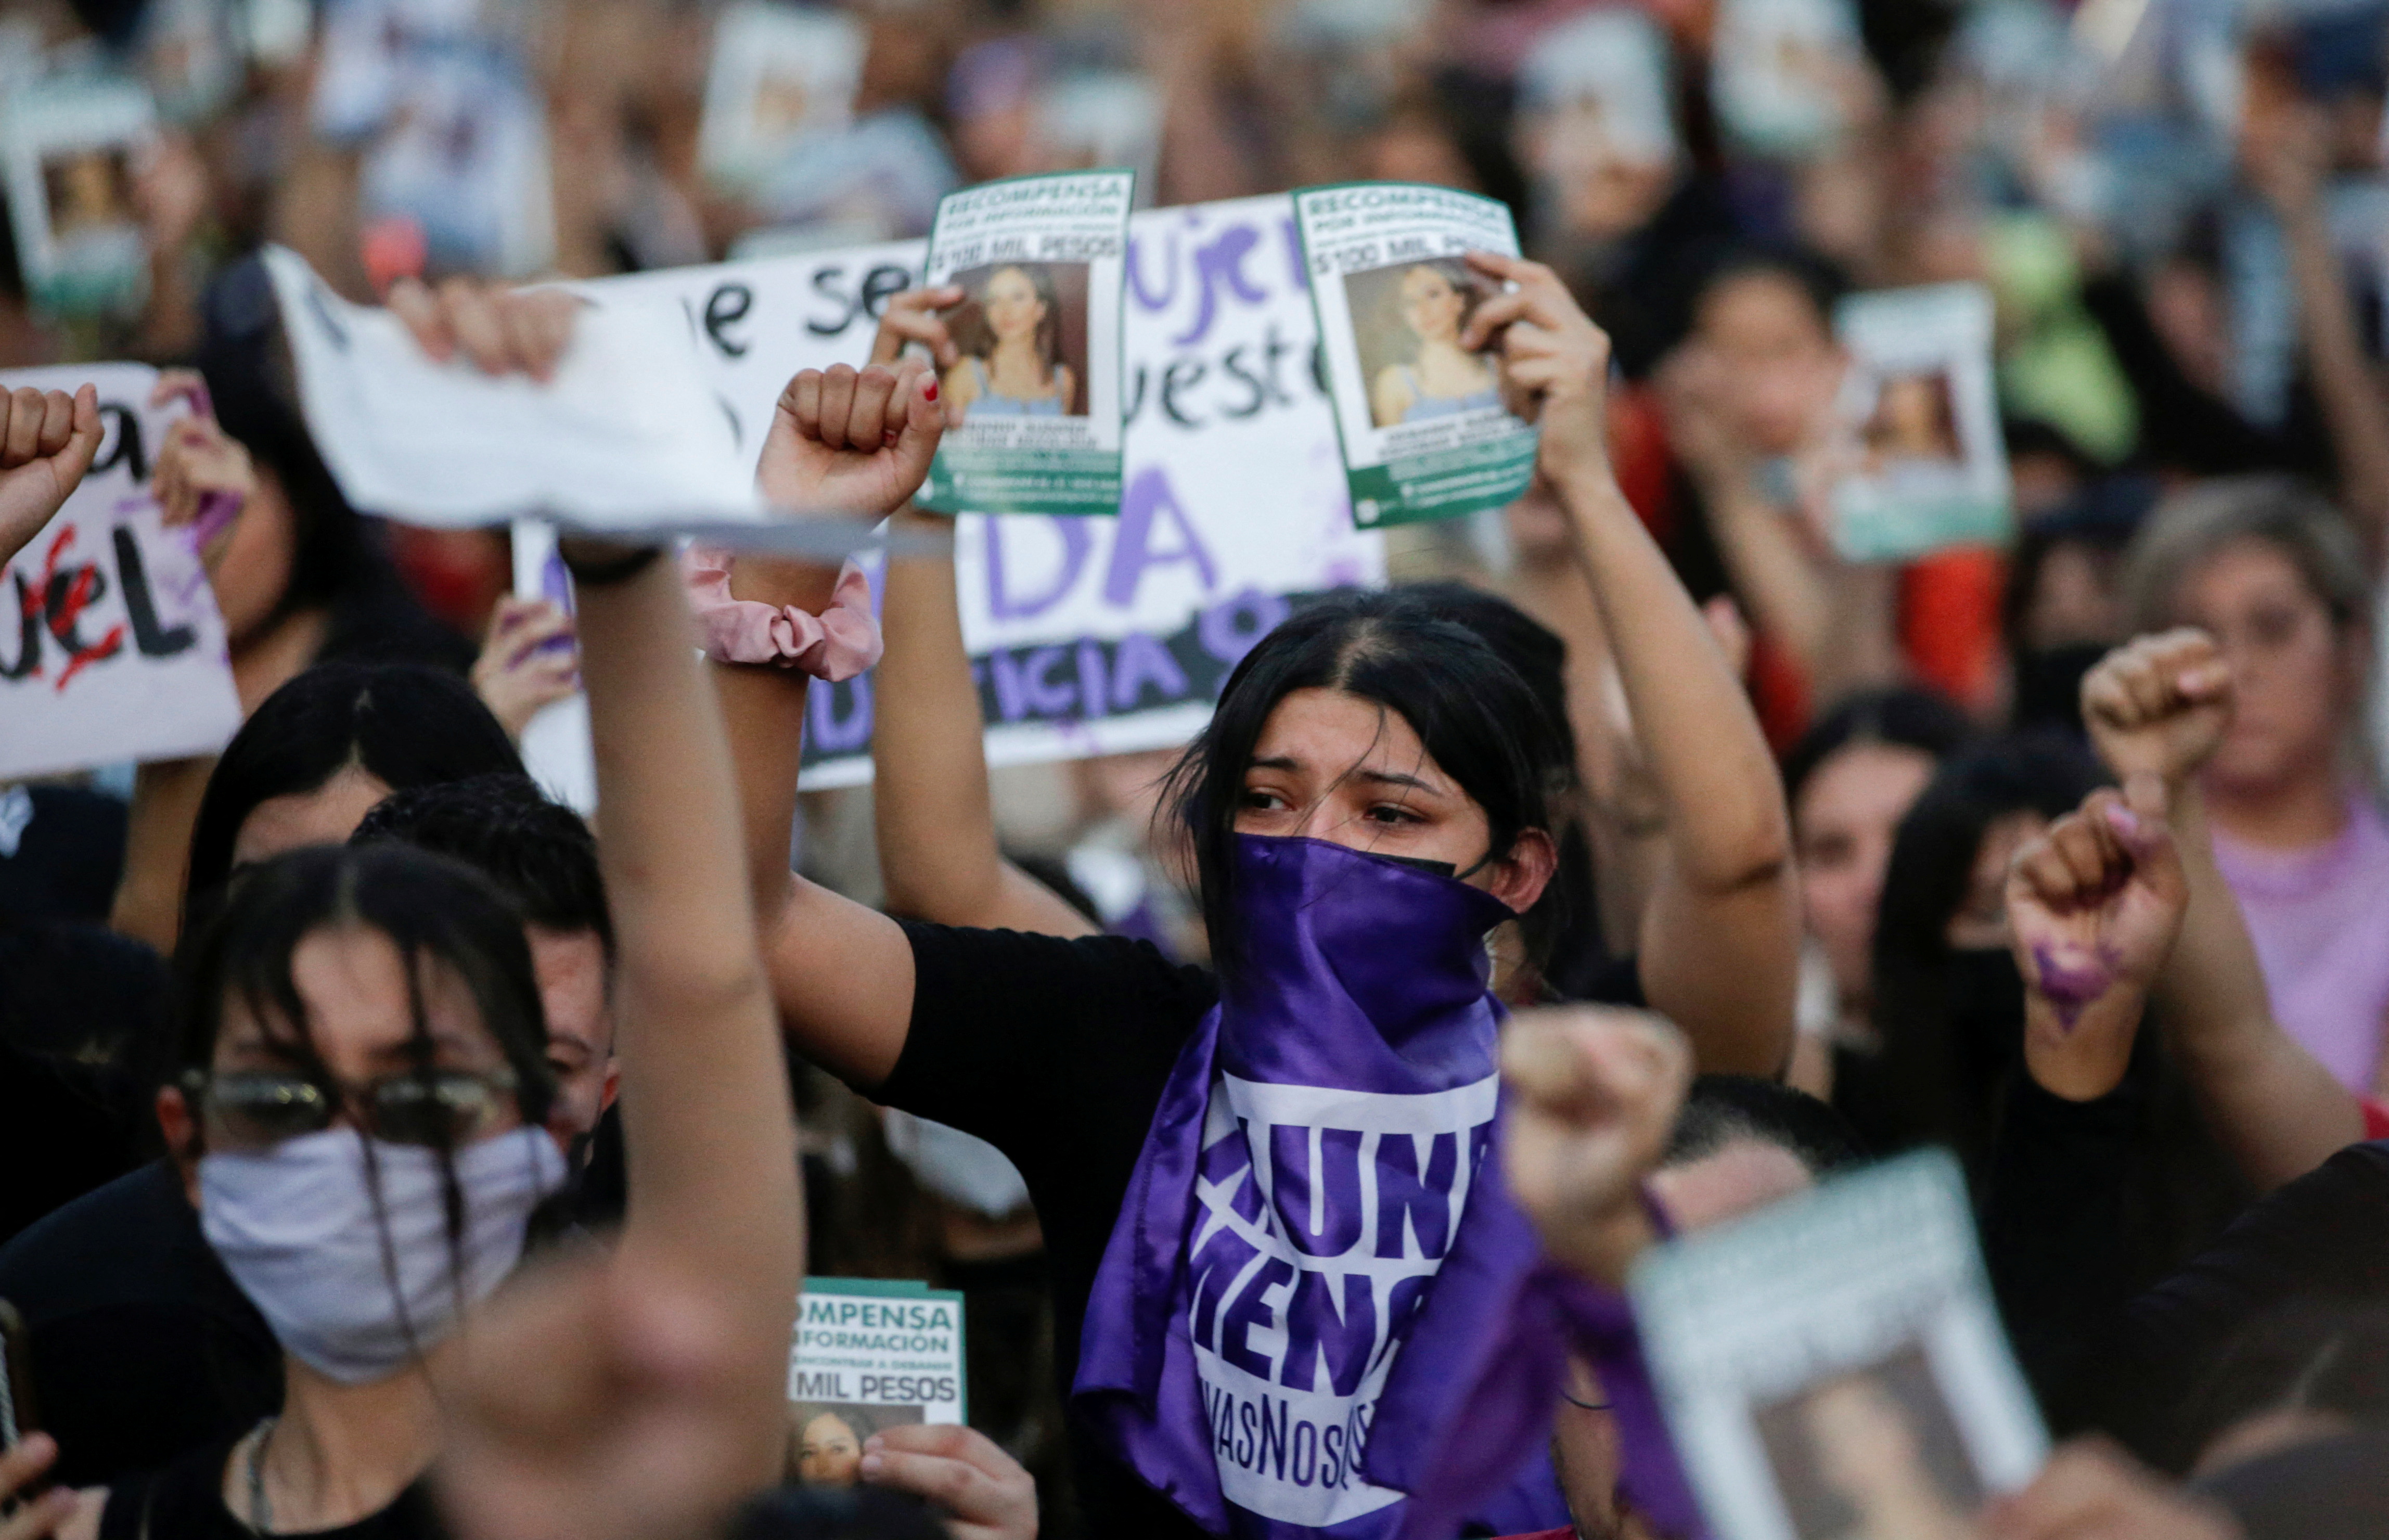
(2343, 383)
(710, 1135)
(840, 975)
(764, 714)
(1771, 571)
(1700, 738)
(149, 904)
(933, 813)
(2279, 1112)
(1726, 885)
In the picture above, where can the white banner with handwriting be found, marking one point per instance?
(110, 647)
(1092, 636)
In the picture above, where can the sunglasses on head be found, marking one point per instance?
(439, 1108)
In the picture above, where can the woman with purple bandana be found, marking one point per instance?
(1273, 1262)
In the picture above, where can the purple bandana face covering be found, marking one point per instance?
(1266, 1328)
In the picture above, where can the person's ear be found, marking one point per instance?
(1519, 878)
(182, 1134)
(613, 1086)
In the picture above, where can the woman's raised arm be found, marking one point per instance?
(1720, 943)
(710, 1133)
(841, 974)
(2158, 707)
(715, 1221)
(934, 815)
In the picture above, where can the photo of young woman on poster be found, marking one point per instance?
(1017, 347)
(1407, 320)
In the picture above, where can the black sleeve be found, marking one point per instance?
(1015, 1034)
(2324, 1236)
(2053, 1225)
(2054, 1234)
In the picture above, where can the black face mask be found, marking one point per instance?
(2049, 685)
(1986, 995)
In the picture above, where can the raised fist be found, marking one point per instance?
(1595, 1093)
(2159, 705)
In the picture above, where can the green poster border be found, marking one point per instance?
(906, 1289)
(939, 494)
(1378, 483)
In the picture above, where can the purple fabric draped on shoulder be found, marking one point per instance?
(1312, 1303)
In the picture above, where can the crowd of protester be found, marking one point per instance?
(1768, 854)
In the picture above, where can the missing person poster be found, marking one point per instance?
(1866, 1388)
(869, 1354)
(1787, 75)
(1920, 462)
(781, 75)
(1040, 260)
(1423, 430)
(68, 144)
(113, 648)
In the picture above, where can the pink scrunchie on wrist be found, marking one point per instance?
(839, 643)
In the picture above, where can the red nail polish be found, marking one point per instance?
(930, 392)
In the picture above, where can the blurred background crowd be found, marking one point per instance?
(2180, 208)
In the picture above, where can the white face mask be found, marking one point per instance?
(342, 1242)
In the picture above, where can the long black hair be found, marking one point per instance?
(406, 724)
(1474, 715)
(433, 910)
(1934, 1086)
(1568, 918)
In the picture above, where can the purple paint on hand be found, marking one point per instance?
(217, 510)
(2073, 988)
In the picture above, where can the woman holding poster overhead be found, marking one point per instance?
(1367, 804)
(1014, 367)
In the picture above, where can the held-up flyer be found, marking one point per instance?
(114, 649)
(1425, 433)
(1040, 264)
(1921, 462)
(1866, 1388)
(869, 1354)
(67, 148)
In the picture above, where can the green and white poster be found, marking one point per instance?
(68, 145)
(1042, 261)
(1918, 463)
(1423, 430)
(869, 1354)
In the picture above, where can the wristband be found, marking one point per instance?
(837, 643)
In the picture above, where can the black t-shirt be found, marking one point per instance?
(185, 1501)
(1056, 1051)
(141, 1345)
